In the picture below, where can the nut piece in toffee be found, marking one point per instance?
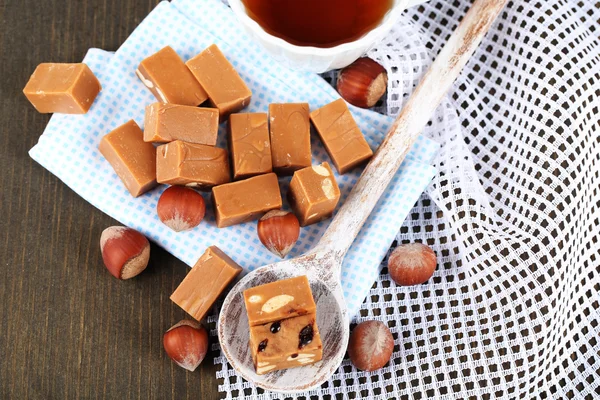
(168, 122)
(292, 342)
(313, 194)
(205, 282)
(224, 86)
(247, 200)
(62, 88)
(290, 137)
(169, 80)
(279, 300)
(249, 145)
(133, 160)
(194, 165)
(341, 136)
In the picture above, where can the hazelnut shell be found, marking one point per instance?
(186, 343)
(278, 231)
(362, 83)
(412, 264)
(371, 345)
(125, 251)
(181, 208)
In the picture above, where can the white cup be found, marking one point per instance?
(315, 59)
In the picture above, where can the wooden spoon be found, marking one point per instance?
(322, 265)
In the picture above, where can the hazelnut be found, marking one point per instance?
(125, 251)
(181, 208)
(278, 231)
(371, 345)
(411, 264)
(186, 343)
(362, 83)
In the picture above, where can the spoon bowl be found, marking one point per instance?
(332, 321)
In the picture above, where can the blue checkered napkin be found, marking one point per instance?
(68, 147)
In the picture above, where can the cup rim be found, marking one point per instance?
(364, 41)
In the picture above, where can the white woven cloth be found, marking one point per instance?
(513, 308)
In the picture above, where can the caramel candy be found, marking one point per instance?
(205, 282)
(226, 89)
(169, 80)
(133, 160)
(243, 201)
(341, 136)
(62, 88)
(279, 300)
(290, 137)
(168, 122)
(194, 165)
(289, 343)
(314, 194)
(249, 145)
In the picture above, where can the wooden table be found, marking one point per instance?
(69, 329)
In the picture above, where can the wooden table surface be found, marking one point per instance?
(69, 329)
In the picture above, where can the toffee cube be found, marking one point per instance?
(170, 81)
(292, 342)
(193, 165)
(165, 123)
(203, 285)
(133, 160)
(290, 137)
(341, 136)
(249, 145)
(314, 194)
(62, 88)
(224, 86)
(247, 200)
(278, 300)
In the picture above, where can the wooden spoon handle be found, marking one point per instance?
(408, 126)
